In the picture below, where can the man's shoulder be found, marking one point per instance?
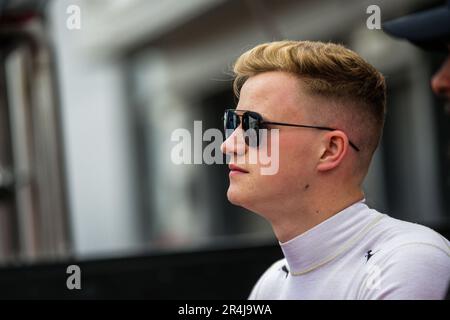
(277, 267)
(268, 284)
(410, 261)
(277, 271)
(392, 235)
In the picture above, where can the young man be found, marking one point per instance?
(329, 107)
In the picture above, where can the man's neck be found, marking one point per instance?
(295, 219)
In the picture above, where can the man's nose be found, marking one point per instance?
(234, 144)
(440, 83)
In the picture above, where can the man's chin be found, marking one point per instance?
(239, 197)
(235, 197)
(242, 199)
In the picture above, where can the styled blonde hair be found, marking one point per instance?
(328, 70)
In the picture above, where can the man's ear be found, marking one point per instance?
(334, 148)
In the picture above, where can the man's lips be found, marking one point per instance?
(235, 168)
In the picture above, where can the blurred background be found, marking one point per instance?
(86, 116)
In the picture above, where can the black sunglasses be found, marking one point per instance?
(254, 121)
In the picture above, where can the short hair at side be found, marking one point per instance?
(327, 70)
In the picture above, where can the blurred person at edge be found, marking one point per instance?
(429, 30)
(329, 107)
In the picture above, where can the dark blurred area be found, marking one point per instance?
(209, 274)
(90, 92)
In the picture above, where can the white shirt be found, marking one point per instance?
(360, 253)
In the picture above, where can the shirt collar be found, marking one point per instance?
(329, 239)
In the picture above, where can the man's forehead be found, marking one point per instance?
(278, 81)
(272, 93)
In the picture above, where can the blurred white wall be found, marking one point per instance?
(96, 142)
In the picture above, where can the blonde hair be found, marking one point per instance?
(328, 70)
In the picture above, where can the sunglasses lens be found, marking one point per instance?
(230, 122)
(251, 120)
(251, 123)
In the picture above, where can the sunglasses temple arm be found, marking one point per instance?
(353, 145)
(297, 125)
(305, 126)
